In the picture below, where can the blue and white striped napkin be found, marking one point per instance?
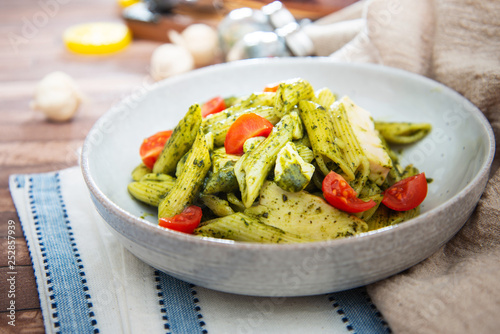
(88, 283)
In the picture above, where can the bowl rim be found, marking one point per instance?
(149, 227)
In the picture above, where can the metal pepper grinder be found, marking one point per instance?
(271, 31)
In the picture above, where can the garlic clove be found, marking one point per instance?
(170, 59)
(176, 38)
(57, 96)
(202, 41)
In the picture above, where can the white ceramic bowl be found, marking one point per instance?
(457, 155)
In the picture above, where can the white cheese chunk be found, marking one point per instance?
(364, 129)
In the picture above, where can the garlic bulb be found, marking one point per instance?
(201, 40)
(170, 59)
(57, 96)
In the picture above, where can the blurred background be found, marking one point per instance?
(127, 43)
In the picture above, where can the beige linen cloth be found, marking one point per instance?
(456, 42)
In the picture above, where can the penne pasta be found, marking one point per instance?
(150, 192)
(241, 227)
(320, 170)
(252, 168)
(189, 183)
(319, 128)
(290, 93)
(402, 133)
(180, 142)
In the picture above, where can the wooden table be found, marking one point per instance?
(31, 47)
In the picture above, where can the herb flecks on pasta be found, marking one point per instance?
(283, 186)
(180, 142)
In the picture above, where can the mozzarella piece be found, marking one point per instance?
(368, 137)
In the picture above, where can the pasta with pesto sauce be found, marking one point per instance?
(273, 166)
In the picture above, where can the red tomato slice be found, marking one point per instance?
(152, 146)
(213, 106)
(246, 126)
(272, 88)
(406, 194)
(186, 221)
(340, 195)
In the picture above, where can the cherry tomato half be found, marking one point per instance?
(152, 146)
(272, 88)
(213, 106)
(246, 126)
(340, 195)
(406, 194)
(186, 221)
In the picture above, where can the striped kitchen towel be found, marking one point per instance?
(88, 283)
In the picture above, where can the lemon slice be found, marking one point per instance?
(126, 3)
(97, 38)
